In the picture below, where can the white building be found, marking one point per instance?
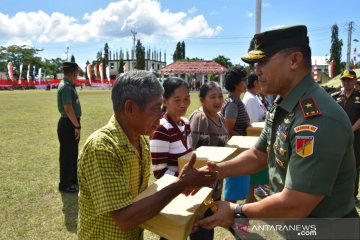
(153, 61)
(321, 62)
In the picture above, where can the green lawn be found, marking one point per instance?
(30, 205)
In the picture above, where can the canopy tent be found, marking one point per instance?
(195, 67)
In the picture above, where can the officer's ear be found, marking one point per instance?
(296, 60)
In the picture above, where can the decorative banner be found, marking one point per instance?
(108, 73)
(28, 74)
(34, 72)
(354, 57)
(96, 71)
(101, 70)
(315, 72)
(21, 67)
(10, 71)
(331, 69)
(88, 71)
(39, 75)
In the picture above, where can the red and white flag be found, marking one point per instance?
(28, 74)
(88, 72)
(21, 67)
(354, 56)
(315, 72)
(10, 70)
(101, 70)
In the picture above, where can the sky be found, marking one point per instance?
(209, 28)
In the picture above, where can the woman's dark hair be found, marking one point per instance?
(251, 80)
(206, 87)
(233, 77)
(171, 84)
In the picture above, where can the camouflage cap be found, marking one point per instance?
(72, 65)
(348, 73)
(270, 42)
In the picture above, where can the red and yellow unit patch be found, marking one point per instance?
(304, 145)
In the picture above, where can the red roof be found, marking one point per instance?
(203, 67)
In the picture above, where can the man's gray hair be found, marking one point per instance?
(139, 86)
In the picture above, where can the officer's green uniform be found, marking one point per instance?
(309, 143)
(67, 95)
(69, 146)
(307, 136)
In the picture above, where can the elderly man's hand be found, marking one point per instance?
(196, 178)
(223, 217)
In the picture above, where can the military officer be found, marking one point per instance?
(349, 100)
(306, 142)
(68, 128)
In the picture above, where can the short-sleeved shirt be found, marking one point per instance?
(234, 108)
(66, 94)
(308, 139)
(111, 174)
(206, 132)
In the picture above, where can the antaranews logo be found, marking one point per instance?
(300, 229)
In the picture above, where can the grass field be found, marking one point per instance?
(30, 205)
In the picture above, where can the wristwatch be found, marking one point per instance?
(238, 212)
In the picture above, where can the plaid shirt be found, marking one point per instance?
(111, 173)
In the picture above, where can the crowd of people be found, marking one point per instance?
(307, 156)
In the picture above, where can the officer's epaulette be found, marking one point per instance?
(309, 107)
(335, 94)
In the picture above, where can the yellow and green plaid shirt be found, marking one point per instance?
(111, 173)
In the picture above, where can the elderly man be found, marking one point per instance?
(306, 143)
(349, 100)
(114, 164)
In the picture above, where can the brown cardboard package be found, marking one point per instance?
(255, 129)
(242, 143)
(175, 221)
(207, 153)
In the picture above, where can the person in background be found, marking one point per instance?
(236, 120)
(114, 164)
(307, 143)
(256, 110)
(68, 128)
(349, 100)
(208, 129)
(171, 139)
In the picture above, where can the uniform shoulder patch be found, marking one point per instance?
(309, 107)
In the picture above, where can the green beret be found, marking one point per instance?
(348, 73)
(270, 42)
(72, 66)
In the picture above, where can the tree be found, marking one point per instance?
(121, 65)
(335, 51)
(183, 50)
(140, 56)
(17, 55)
(106, 53)
(179, 53)
(86, 74)
(72, 59)
(224, 61)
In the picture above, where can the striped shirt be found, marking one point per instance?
(168, 142)
(237, 111)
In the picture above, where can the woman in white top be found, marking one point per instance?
(256, 111)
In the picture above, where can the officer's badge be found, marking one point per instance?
(304, 145)
(309, 107)
(257, 41)
(357, 100)
(305, 127)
